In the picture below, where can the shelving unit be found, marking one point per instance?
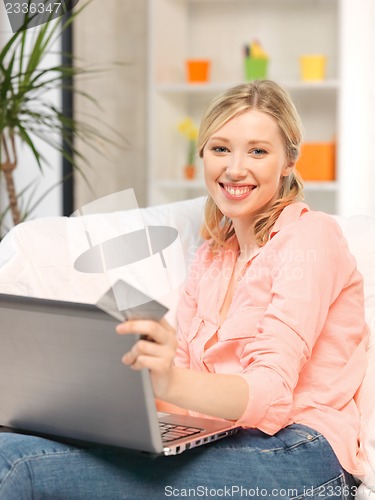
(218, 29)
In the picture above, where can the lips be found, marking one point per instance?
(235, 191)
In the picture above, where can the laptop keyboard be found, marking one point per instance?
(170, 432)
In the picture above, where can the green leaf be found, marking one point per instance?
(25, 108)
(25, 137)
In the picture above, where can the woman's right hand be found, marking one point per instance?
(156, 351)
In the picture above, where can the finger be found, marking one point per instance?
(141, 347)
(154, 364)
(160, 333)
(141, 326)
(144, 348)
(129, 325)
(160, 362)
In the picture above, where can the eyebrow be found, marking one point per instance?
(224, 139)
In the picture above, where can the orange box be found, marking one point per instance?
(198, 70)
(317, 161)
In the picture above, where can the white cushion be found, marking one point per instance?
(36, 257)
(360, 232)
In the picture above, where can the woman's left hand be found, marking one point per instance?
(155, 352)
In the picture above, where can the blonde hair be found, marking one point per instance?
(268, 97)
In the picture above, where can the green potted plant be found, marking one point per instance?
(26, 113)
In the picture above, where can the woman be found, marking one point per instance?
(271, 335)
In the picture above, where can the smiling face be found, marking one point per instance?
(244, 163)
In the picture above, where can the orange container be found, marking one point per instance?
(317, 161)
(198, 70)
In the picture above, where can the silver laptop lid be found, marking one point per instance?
(61, 374)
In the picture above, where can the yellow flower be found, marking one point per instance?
(257, 51)
(187, 128)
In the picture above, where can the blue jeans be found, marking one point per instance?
(295, 463)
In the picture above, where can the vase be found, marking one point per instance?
(189, 171)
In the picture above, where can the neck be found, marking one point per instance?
(246, 239)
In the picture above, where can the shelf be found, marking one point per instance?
(202, 88)
(321, 185)
(182, 29)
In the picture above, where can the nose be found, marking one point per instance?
(236, 168)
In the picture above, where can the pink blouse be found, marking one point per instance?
(295, 330)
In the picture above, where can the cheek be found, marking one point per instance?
(207, 170)
(210, 165)
(209, 175)
(270, 182)
(206, 166)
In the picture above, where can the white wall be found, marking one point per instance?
(105, 33)
(117, 30)
(357, 120)
(27, 169)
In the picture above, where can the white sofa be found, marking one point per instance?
(36, 260)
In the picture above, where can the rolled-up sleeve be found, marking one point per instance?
(309, 265)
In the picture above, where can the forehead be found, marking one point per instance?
(250, 122)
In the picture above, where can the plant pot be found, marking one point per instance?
(189, 171)
(255, 69)
(198, 70)
(313, 67)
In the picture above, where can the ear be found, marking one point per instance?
(288, 169)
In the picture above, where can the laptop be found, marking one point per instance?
(61, 376)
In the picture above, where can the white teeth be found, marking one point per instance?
(238, 191)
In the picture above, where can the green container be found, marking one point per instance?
(255, 69)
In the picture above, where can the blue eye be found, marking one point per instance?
(258, 152)
(220, 149)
